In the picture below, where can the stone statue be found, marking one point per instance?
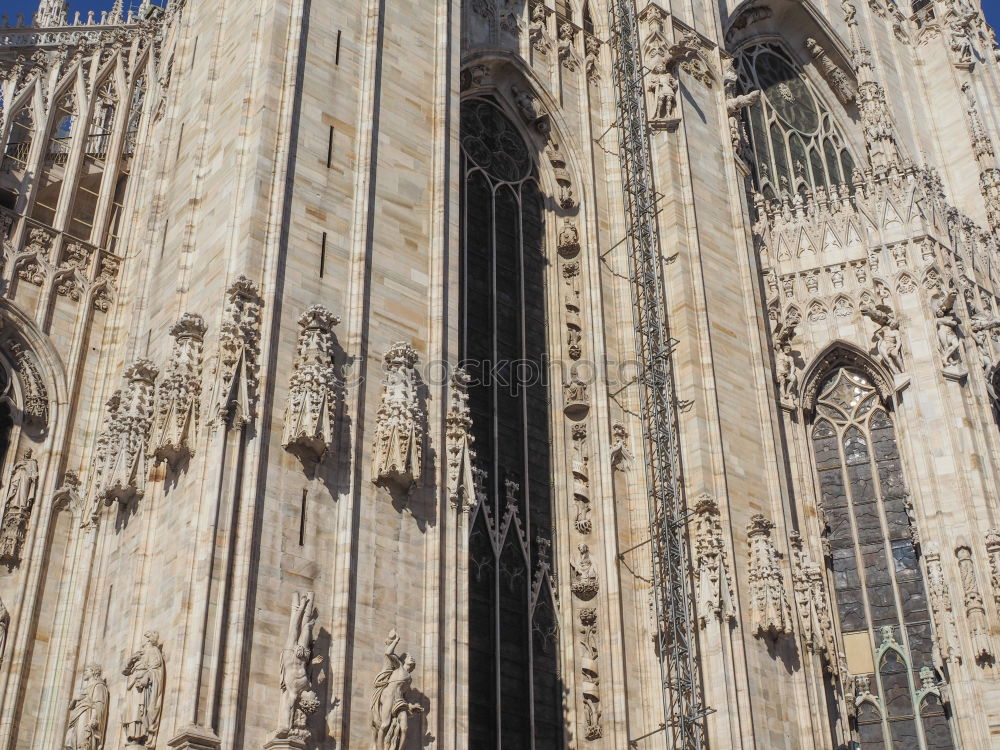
(526, 104)
(144, 699)
(23, 482)
(390, 709)
(88, 712)
(21, 489)
(297, 696)
(785, 370)
(947, 332)
(888, 340)
(663, 86)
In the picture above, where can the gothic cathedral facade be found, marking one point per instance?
(500, 375)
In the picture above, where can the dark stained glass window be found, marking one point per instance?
(515, 699)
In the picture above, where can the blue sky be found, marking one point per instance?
(12, 7)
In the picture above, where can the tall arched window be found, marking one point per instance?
(795, 141)
(515, 699)
(588, 19)
(15, 156)
(57, 148)
(882, 608)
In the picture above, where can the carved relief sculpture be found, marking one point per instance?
(391, 707)
(530, 109)
(144, 696)
(312, 390)
(567, 50)
(735, 104)
(298, 698)
(33, 391)
(561, 173)
(714, 585)
(461, 456)
(813, 606)
(398, 432)
(982, 147)
(538, 33)
(941, 608)
(839, 81)
(22, 487)
(584, 583)
(568, 243)
(592, 60)
(590, 685)
(876, 122)
(179, 393)
(581, 479)
(992, 554)
(88, 713)
(770, 613)
(120, 467)
(239, 350)
(577, 403)
(975, 607)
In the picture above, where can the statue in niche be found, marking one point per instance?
(390, 710)
(88, 712)
(663, 86)
(21, 489)
(144, 699)
(947, 332)
(785, 370)
(298, 699)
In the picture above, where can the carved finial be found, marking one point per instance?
(399, 428)
(312, 389)
(239, 349)
(120, 468)
(461, 456)
(770, 613)
(179, 393)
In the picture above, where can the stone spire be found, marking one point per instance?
(51, 13)
(883, 151)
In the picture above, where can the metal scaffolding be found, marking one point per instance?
(682, 705)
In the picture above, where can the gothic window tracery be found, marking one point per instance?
(15, 157)
(62, 131)
(516, 700)
(880, 595)
(796, 142)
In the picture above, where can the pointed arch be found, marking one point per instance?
(837, 354)
(879, 586)
(798, 143)
(22, 134)
(509, 196)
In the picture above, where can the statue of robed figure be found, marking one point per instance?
(144, 699)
